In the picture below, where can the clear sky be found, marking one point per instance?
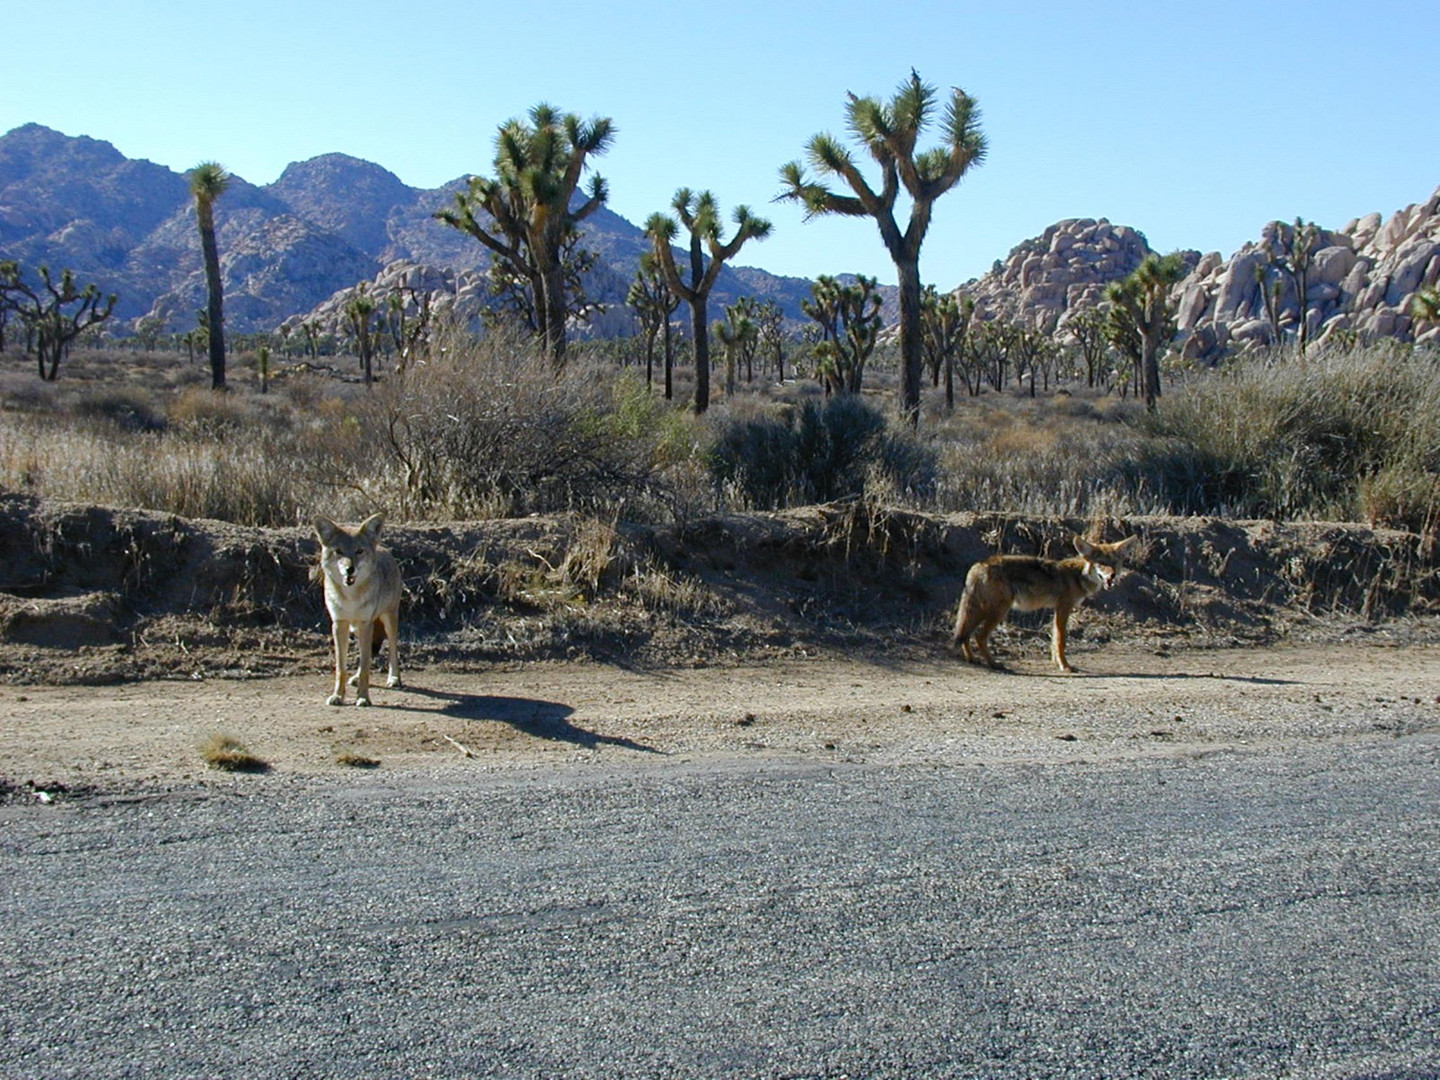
(1194, 122)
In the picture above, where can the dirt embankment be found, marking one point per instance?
(819, 632)
(90, 594)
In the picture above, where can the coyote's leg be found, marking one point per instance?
(1057, 638)
(340, 631)
(390, 620)
(364, 633)
(964, 628)
(982, 639)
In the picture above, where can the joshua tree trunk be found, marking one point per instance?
(669, 359)
(553, 313)
(700, 339)
(215, 304)
(911, 344)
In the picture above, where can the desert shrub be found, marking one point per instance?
(1333, 436)
(250, 481)
(493, 431)
(126, 408)
(1072, 470)
(816, 452)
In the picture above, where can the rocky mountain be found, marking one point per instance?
(1362, 279)
(286, 249)
(1062, 271)
(297, 246)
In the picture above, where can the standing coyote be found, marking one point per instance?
(1030, 583)
(362, 592)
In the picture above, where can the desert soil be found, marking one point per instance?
(1128, 702)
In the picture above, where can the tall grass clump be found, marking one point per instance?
(490, 429)
(1063, 456)
(1342, 435)
(123, 449)
(813, 453)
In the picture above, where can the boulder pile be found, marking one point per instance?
(1063, 270)
(1362, 279)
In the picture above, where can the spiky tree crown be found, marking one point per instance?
(700, 214)
(889, 132)
(208, 181)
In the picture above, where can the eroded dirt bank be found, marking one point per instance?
(127, 638)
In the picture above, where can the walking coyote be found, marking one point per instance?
(1030, 583)
(362, 592)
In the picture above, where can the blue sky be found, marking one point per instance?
(1195, 123)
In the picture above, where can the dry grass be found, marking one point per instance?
(1345, 435)
(351, 759)
(1055, 456)
(229, 754)
(487, 430)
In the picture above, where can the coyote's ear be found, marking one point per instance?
(369, 530)
(1084, 547)
(327, 531)
(1122, 548)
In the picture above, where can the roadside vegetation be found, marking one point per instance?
(402, 406)
(485, 428)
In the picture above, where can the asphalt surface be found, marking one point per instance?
(1273, 913)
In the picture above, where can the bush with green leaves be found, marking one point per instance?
(816, 453)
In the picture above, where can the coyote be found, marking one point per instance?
(362, 592)
(1030, 583)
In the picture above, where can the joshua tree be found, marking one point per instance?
(771, 321)
(1293, 256)
(360, 312)
(849, 318)
(1033, 355)
(1270, 289)
(1087, 330)
(311, 330)
(1425, 307)
(701, 217)
(889, 131)
(408, 312)
(209, 181)
(538, 165)
(654, 302)
(48, 325)
(1000, 339)
(740, 335)
(1141, 319)
(944, 321)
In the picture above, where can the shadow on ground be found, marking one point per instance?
(540, 719)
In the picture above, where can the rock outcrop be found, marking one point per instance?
(1063, 270)
(457, 293)
(1362, 280)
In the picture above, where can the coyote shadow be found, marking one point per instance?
(540, 719)
(1001, 668)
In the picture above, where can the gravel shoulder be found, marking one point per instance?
(1127, 703)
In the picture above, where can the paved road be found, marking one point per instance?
(1266, 914)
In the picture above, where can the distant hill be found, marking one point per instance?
(293, 247)
(285, 248)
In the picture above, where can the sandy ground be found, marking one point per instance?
(72, 740)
